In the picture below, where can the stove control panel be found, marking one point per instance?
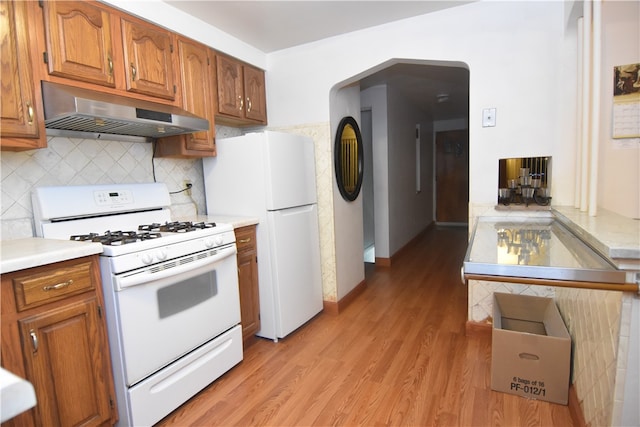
(109, 198)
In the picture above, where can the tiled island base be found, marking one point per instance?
(599, 323)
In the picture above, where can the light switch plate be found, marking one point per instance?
(488, 117)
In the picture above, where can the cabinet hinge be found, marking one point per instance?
(45, 57)
(175, 89)
(41, 3)
(171, 48)
(111, 403)
(100, 311)
(208, 63)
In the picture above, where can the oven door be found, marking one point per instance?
(166, 310)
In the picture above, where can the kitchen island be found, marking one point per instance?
(603, 323)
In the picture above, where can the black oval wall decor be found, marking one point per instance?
(348, 158)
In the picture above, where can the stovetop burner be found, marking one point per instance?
(177, 226)
(115, 238)
(145, 232)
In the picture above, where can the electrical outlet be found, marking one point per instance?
(187, 184)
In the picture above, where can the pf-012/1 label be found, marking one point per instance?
(532, 387)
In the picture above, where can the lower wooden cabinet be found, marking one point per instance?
(54, 335)
(248, 282)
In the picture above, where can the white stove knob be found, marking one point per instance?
(209, 243)
(162, 254)
(146, 258)
(219, 240)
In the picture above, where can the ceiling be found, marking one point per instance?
(274, 25)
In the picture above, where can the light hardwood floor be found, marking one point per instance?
(398, 355)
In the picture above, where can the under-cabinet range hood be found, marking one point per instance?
(83, 113)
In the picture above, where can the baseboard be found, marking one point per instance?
(475, 329)
(386, 262)
(335, 307)
(577, 416)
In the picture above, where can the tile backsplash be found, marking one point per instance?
(73, 161)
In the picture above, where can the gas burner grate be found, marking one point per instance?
(177, 226)
(116, 238)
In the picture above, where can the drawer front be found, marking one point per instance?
(40, 288)
(246, 238)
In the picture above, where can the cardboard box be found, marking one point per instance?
(531, 348)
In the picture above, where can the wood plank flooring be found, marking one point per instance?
(398, 355)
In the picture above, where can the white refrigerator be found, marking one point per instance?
(271, 176)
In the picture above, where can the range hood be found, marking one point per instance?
(83, 113)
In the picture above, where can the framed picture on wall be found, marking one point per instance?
(626, 101)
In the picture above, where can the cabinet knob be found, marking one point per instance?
(134, 72)
(110, 63)
(247, 240)
(241, 102)
(248, 105)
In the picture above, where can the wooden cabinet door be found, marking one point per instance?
(65, 362)
(248, 281)
(79, 43)
(17, 99)
(230, 86)
(148, 59)
(197, 92)
(255, 94)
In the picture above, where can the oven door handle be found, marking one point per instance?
(166, 269)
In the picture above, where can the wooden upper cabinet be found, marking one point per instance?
(197, 78)
(148, 58)
(230, 86)
(21, 125)
(79, 42)
(241, 92)
(197, 94)
(255, 94)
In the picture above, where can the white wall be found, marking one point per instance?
(619, 160)
(400, 213)
(376, 99)
(349, 237)
(409, 212)
(519, 59)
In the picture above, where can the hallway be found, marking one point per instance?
(398, 355)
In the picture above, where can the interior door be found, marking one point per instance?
(452, 176)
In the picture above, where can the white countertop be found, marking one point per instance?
(236, 221)
(613, 235)
(16, 395)
(31, 252)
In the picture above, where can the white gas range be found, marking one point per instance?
(170, 289)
